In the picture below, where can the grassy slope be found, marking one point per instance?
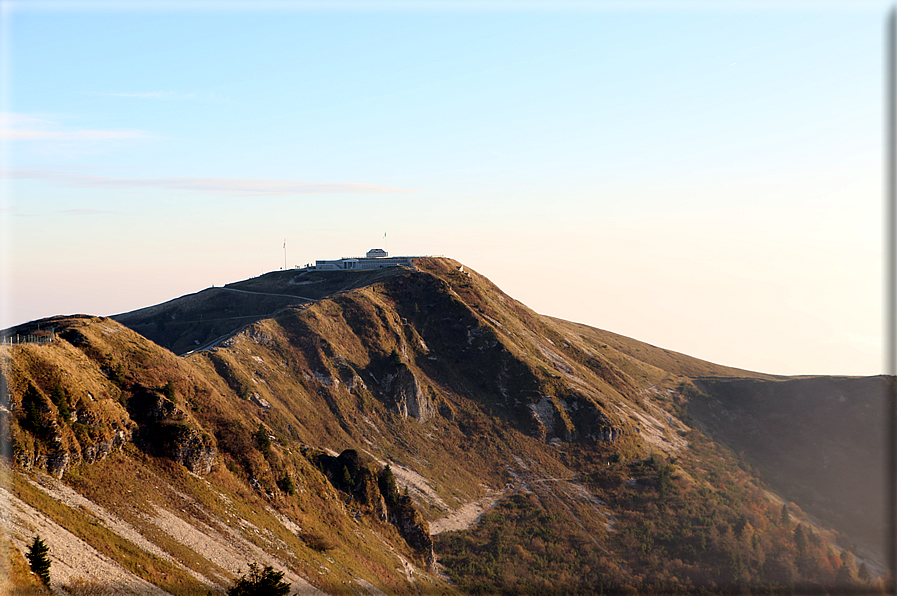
(142, 483)
(188, 322)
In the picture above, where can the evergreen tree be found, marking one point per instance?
(864, 573)
(58, 397)
(346, 479)
(800, 539)
(262, 440)
(847, 570)
(38, 560)
(388, 488)
(784, 518)
(32, 404)
(286, 485)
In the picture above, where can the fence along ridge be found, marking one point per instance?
(8, 340)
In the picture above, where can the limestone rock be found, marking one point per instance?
(407, 396)
(194, 451)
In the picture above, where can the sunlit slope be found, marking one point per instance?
(171, 480)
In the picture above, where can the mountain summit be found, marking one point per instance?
(416, 430)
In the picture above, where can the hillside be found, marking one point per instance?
(195, 320)
(400, 431)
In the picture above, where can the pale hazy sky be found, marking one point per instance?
(705, 176)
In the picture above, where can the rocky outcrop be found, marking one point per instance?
(148, 405)
(193, 450)
(374, 489)
(413, 528)
(552, 419)
(165, 430)
(102, 449)
(356, 475)
(407, 396)
(56, 463)
(264, 404)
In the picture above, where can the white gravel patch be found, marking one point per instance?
(231, 552)
(463, 517)
(75, 500)
(70, 557)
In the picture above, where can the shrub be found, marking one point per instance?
(394, 358)
(286, 485)
(81, 586)
(168, 391)
(260, 582)
(317, 541)
(262, 440)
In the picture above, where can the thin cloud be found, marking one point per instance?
(162, 95)
(81, 212)
(70, 135)
(232, 186)
(21, 127)
(77, 212)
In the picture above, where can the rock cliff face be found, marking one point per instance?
(414, 528)
(167, 430)
(192, 449)
(407, 397)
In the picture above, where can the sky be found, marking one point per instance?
(706, 176)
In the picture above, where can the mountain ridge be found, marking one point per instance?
(464, 392)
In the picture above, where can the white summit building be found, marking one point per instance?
(376, 258)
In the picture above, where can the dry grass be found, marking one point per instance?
(81, 586)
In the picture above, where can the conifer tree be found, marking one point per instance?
(346, 479)
(38, 560)
(784, 518)
(864, 574)
(58, 397)
(847, 570)
(388, 489)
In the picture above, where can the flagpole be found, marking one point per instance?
(284, 254)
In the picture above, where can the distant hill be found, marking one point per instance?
(419, 431)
